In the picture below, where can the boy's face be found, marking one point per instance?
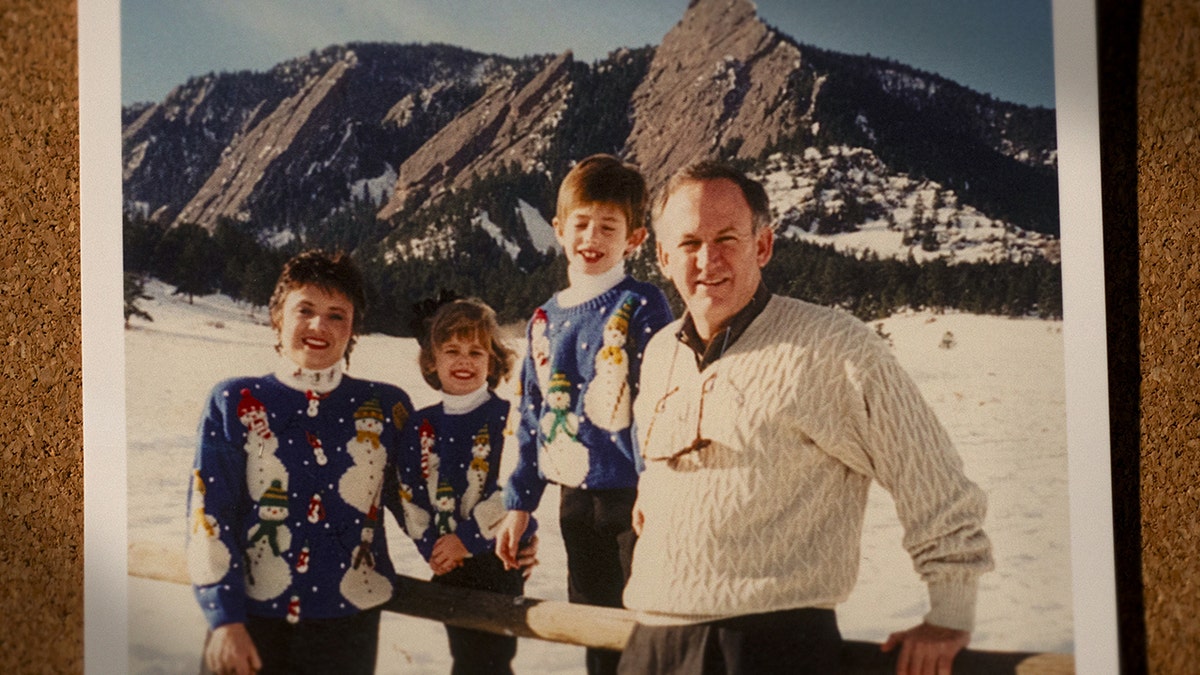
(316, 326)
(462, 365)
(596, 236)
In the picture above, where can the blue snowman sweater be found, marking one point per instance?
(285, 496)
(449, 466)
(578, 381)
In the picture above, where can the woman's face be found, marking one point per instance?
(316, 326)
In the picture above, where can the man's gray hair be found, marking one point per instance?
(710, 169)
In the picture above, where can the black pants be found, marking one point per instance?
(479, 652)
(316, 646)
(789, 642)
(597, 529)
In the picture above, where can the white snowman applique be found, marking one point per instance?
(539, 347)
(268, 573)
(262, 465)
(430, 462)
(416, 519)
(208, 557)
(562, 457)
(360, 483)
(362, 584)
(607, 401)
(443, 506)
(488, 513)
(477, 471)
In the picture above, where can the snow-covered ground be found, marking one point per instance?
(999, 391)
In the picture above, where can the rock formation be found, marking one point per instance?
(720, 83)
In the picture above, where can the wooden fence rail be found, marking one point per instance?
(589, 626)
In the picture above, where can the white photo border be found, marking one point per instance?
(1089, 460)
(105, 529)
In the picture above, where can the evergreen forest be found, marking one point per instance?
(232, 261)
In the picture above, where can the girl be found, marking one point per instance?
(450, 458)
(286, 549)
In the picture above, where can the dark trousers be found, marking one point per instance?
(479, 652)
(316, 646)
(789, 642)
(597, 529)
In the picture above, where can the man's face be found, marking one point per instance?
(707, 247)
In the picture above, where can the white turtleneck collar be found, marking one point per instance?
(464, 403)
(303, 379)
(584, 287)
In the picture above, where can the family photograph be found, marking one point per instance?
(742, 319)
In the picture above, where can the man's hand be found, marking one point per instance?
(230, 650)
(527, 557)
(448, 554)
(639, 519)
(926, 649)
(508, 538)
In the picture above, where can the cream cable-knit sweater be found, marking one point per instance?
(803, 411)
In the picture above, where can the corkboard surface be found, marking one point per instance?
(1150, 93)
(1168, 214)
(41, 439)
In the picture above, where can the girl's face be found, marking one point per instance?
(462, 365)
(316, 325)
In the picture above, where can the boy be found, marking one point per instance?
(578, 381)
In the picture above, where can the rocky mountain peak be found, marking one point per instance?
(717, 19)
(355, 143)
(510, 124)
(719, 84)
(226, 192)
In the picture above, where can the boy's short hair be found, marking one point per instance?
(605, 179)
(708, 169)
(465, 319)
(328, 271)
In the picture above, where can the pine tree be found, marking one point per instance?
(139, 238)
(1049, 290)
(135, 289)
(187, 258)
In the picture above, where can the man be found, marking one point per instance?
(763, 421)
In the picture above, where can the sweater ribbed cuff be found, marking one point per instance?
(952, 604)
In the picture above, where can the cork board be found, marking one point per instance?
(41, 485)
(1150, 95)
(1167, 216)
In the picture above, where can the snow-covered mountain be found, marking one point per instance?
(847, 197)
(438, 155)
(285, 148)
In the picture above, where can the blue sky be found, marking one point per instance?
(1002, 47)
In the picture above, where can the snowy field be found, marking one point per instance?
(999, 391)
